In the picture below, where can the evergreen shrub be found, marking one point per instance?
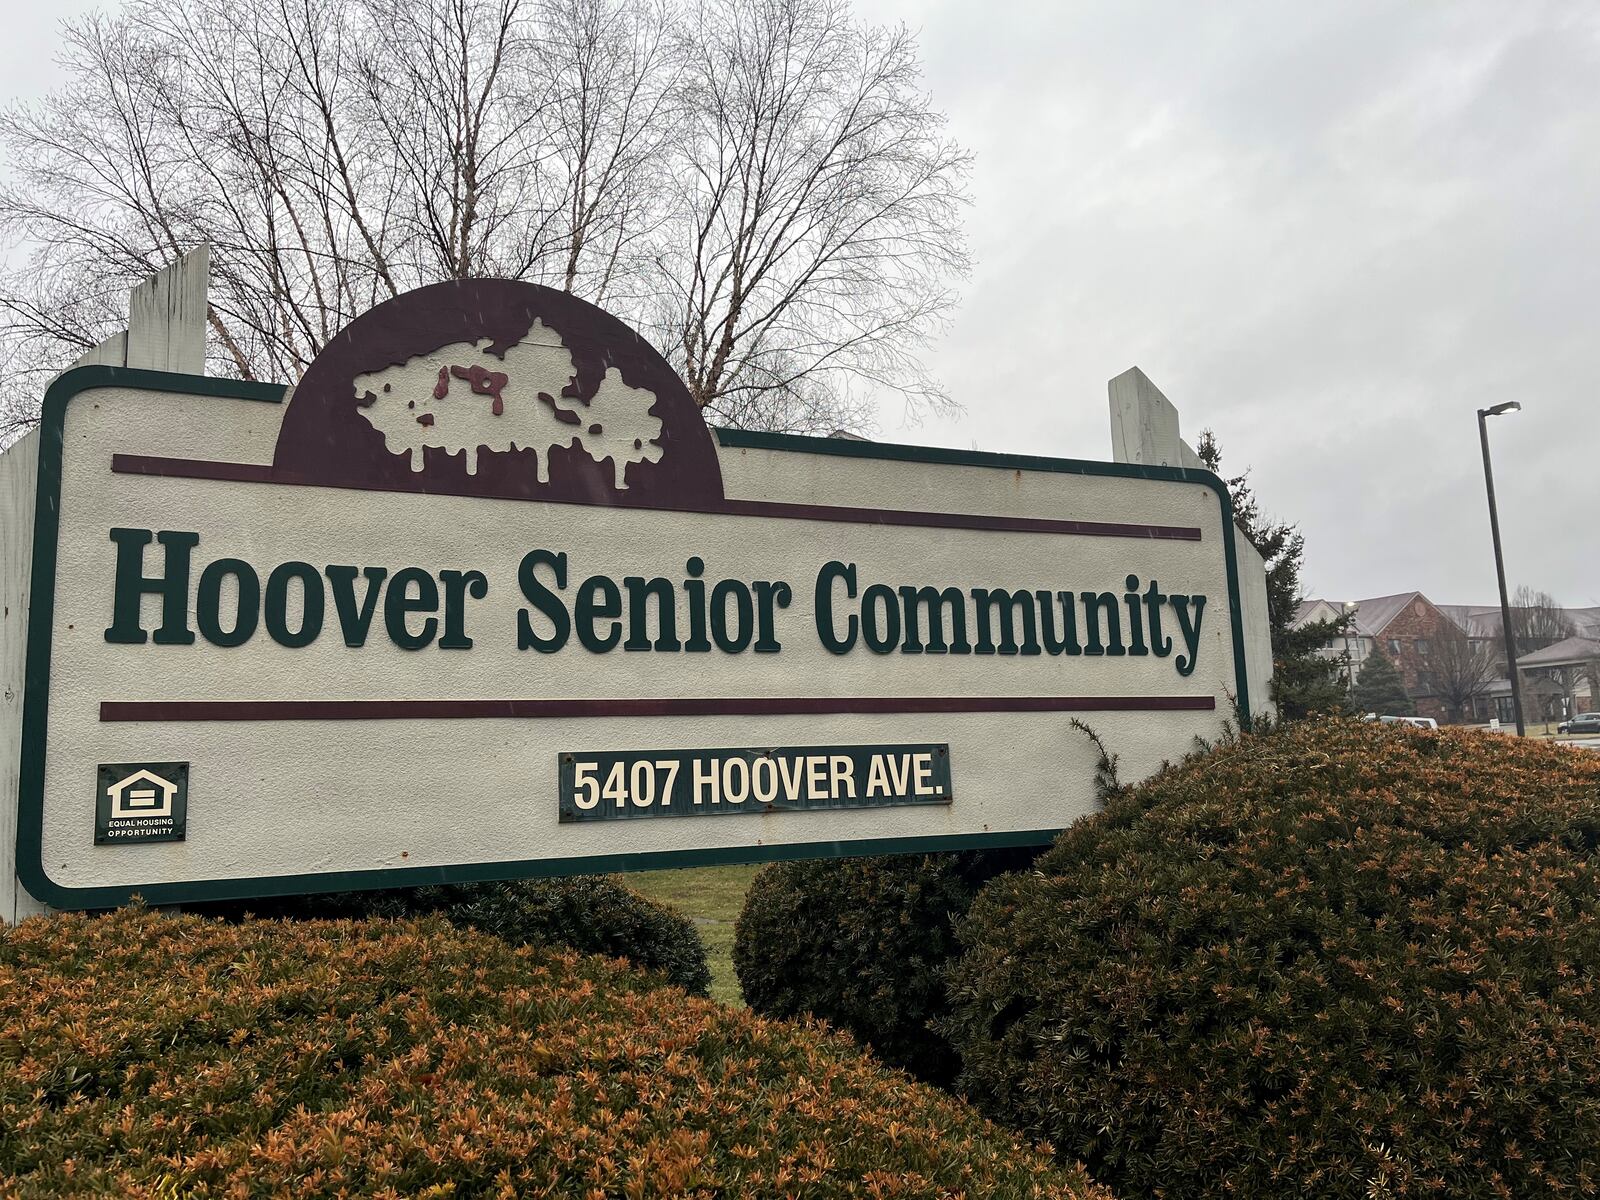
(152, 1055)
(1339, 959)
(863, 943)
(1380, 689)
(593, 914)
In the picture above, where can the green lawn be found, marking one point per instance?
(712, 898)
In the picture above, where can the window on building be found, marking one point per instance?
(1394, 647)
(1422, 647)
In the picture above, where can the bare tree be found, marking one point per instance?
(227, 123)
(758, 182)
(815, 230)
(612, 121)
(1537, 620)
(1462, 669)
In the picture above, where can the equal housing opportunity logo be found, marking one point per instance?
(141, 802)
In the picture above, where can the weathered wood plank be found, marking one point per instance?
(19, 472)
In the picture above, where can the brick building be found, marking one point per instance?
(1408, 628)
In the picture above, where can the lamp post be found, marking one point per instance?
(1499, 559)
(1350, 607)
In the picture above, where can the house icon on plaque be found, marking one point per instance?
(142, 794)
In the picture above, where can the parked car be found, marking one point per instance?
(1582, 723)
(1419, 722)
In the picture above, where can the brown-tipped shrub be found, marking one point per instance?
(863, 943)
(592, 914)
(144, 1054)
(1337, 960)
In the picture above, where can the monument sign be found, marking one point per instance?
(483, 597)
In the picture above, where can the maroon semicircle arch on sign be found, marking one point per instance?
(662, 455)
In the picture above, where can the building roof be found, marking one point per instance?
(1373, 616)
(1305, 612)
(1483, 620)
(1571, 652)
(1586, 619)
(1476, 620)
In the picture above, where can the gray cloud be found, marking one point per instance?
(1328, 232)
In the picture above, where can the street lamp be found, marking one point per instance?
(1484, 414)
(1350, 607)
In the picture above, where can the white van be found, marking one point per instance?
(1419, 722)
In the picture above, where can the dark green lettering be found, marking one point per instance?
(695, 589)
(824, 605)
(208, 602)
(276, 614)
(768, 596)
(543, 599)
(639, 589)
(736, 641)
(1006, 604)
(935, 601)
(880, 639)
(1096, 605)
(1136, 644)
(458, 585)
(398, 605)
(1191, 633)
(353, 622)
(1153, 600)
(598, 599)
(1068, 642)
(172, 585)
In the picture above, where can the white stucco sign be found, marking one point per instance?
(483, 596)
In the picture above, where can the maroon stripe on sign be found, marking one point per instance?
(753, 706)
(892, 516)
(191, 468)
(185, 468)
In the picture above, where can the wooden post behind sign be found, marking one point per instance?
(1145, 430)
(166, 332)
(166, 321)
(19, 472)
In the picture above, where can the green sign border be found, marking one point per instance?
(41, 616)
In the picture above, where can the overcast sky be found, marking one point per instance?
(1328, 232)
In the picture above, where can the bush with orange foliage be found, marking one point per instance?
(144, 1054)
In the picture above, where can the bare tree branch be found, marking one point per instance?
(760, 184)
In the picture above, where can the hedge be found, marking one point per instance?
(145, 1054)
(593, 914)
(1338, 960)
(863, 943)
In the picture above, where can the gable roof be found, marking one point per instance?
(1307, 611)
(1586, 619)
(1483, 620)
(1573, 651)
(1373, 616)
(1476, 620)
